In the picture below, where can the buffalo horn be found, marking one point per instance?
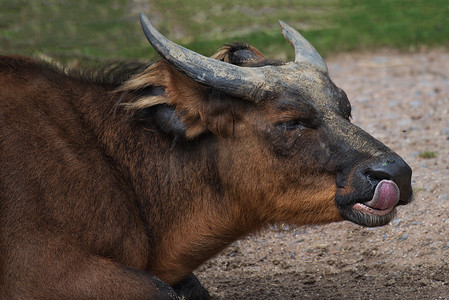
(242, 82)
(304, 51)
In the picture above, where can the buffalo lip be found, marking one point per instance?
(385, 199)
(368, 210)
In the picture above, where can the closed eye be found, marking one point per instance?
(291, 125)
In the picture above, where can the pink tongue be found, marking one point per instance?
(385, 196)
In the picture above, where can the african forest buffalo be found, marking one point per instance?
(117, 183)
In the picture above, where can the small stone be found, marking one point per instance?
(426, 243)
(309, 280)
(403, 237)
(364, 99)
(446, 131)
(390, 282)
(396, 222)
(415, 103)
(393, 103)
(422, 283)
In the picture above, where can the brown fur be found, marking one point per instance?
(95, 204)
(188, 98)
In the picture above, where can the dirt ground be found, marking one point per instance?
(403, 100)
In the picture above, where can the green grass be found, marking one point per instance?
(427, 154)
(417, 190)
(109, 29)
(404, 24)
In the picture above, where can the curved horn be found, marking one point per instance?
(304, 51)
(242, 82)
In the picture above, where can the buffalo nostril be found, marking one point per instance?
(392, 169)
(378, 174)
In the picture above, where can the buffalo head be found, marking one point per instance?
(291, 154)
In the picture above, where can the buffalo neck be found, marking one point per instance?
(187, 215)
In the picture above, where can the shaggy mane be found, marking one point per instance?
(114, 73)
(111, 73)
(133, 76)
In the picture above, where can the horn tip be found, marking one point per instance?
(283, 24)
(143, 18)
(286, 30)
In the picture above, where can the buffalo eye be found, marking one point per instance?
(296, 115)
(291, 125)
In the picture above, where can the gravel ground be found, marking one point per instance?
(403, 100)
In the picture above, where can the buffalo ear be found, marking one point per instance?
(239, 54)
(168, 121)
(178, 105)
(164, 117)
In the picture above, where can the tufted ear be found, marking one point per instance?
(217, 116)
(181, 106)
(166, 97)
(239, 54)
(165, 118)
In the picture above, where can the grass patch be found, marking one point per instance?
(427, 154)
(403, 24)
(416, 190)
(95, 30)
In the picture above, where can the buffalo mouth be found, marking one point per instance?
(385, 198)
(377, 211)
